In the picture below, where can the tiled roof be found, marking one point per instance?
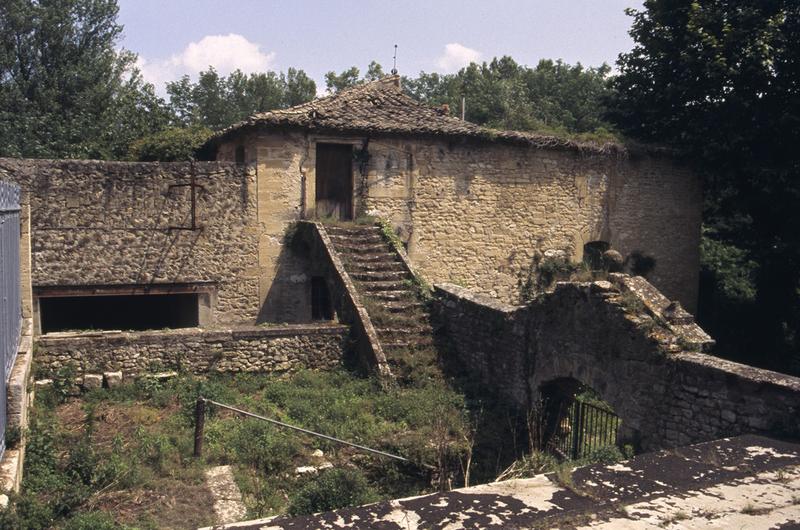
(380, 107)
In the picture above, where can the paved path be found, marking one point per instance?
(228, 506)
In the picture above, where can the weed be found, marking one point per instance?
(332, 489)
(631, 303)
(751, 509)
(674, 518)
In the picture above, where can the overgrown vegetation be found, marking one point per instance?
(546, 270)
(123, 456)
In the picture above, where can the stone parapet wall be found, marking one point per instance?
(123, 223)
(253, 349)
(621, 338)
(712, 397)
(488, 338)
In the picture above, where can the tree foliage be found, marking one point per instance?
(552, 97)
(65, 90)
(718, 80)
(175, 144)
(216, 101)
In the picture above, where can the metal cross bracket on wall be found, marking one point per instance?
(193, 185)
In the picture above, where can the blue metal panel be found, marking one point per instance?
(10, 299)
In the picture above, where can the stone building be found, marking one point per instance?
(474, 206)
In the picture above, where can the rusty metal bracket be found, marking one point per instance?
(193, 185)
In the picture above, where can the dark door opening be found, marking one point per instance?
(320, 299)
(123, 312)
(334, 181)
(575, 421)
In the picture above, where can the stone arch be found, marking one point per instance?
(576, 334)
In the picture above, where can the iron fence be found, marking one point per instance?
(583, 428)
(10, 299)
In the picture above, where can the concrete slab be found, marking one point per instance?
(743, 482)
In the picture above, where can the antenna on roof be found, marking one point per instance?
(394, 67)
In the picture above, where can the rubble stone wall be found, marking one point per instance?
(255, 349)
(118, 223)
(647, 364)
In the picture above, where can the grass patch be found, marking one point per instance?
(122, 457)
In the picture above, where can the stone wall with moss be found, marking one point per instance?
(641, 353)
(253, 349)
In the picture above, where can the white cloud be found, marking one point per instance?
(225, 53)
(456, 56)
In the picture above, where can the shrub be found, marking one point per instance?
(333, 489)
(170, 145)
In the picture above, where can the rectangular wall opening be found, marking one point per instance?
(123, 312)
(320, 299)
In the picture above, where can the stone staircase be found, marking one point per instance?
(389, 294)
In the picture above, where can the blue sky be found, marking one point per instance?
(176, 37)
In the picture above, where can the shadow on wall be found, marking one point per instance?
(288, 299)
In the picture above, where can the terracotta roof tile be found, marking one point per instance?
(380, 107)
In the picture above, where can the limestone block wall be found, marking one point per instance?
(642, 360)
(254, 349)
(115, 223)
(476, 214)
(281, 161)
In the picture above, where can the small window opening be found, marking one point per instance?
(123, 312)
(320, 299)
(240, 158)
(593, 254)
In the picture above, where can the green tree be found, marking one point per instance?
(65, 89)
(718, 81)
(348, 78)
(553, 97)
(216, 101)
(299, 88)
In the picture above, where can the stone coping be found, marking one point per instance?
(17, 413)
(282, 330)
(752, 374)
(457, 291)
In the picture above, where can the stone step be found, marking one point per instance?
(361, 239)
(401, 331)
(406, 342)
(374, 266)
(372, 257)
(353, 230)
(347, 247)
(380, 276)
(377, 286)
(393, 295)
(402, 306)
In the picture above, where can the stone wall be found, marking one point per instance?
(253, 349)
(477, 214)
(488, 338)
(642, 354)
(114, 223)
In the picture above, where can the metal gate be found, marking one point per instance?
(582, 428)
(10, 301)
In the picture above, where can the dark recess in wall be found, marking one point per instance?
(123, 312)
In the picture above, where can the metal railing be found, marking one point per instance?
(10, 299)
(583, 428)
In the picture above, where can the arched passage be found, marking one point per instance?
(575, 421)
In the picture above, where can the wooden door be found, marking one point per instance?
(334, 179)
